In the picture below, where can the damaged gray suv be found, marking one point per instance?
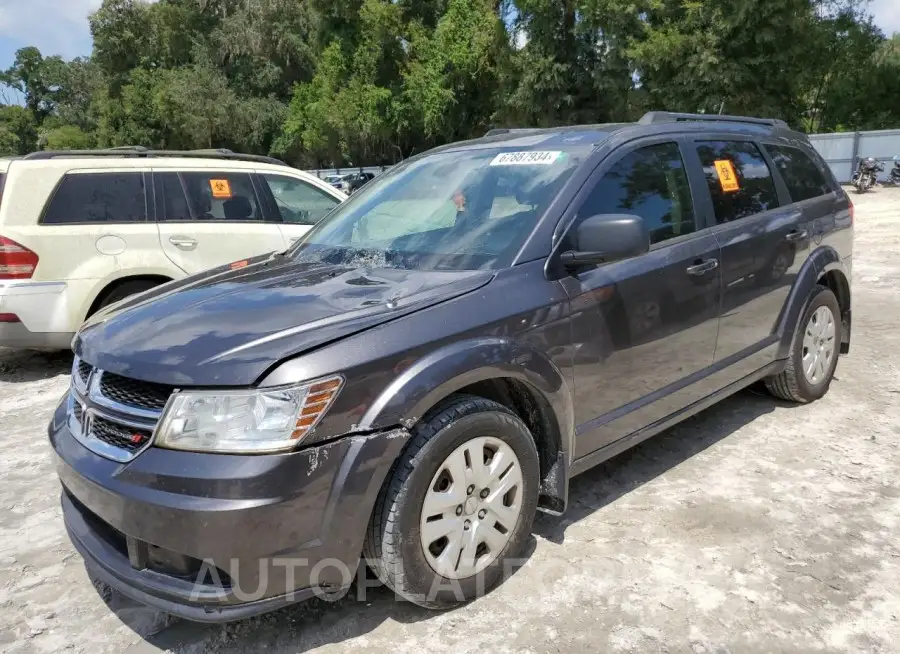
(438, 357)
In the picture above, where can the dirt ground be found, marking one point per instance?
(754, 527)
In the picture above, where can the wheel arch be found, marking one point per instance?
(824, 266)
(506, 371)
(112, 284)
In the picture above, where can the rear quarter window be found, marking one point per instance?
(804, 178)
(97, 198)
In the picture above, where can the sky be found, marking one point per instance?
(60, 26)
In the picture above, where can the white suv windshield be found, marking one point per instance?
(462, 210)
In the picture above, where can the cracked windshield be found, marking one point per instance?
(463, 210)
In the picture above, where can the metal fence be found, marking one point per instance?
(842, 151)
(322, 173)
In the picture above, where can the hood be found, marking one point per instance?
(228, 327)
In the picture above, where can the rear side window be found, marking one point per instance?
(96, 198)
(297, 202)
(651, 183)
(209, 197)
(739, 180)
(804, 179)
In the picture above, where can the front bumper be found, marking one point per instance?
(215, 538)
(43, 312)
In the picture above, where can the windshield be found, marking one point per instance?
(460, 210)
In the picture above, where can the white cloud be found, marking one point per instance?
(54, 26)
(887, 15)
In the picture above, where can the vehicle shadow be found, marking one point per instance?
(299, 628)
(318, 622)
(23, 366)
(604, 484)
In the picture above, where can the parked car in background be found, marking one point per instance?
(352, 182)
(438, 357)
(81, 230)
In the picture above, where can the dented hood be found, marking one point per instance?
(228, 327)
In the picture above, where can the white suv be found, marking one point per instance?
(81, 230)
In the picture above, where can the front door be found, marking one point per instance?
(296, 204)
(643, 328)
(211, 218)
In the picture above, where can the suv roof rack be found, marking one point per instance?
(557, 128)
(654, 117)
(509, 130)
(141, 151)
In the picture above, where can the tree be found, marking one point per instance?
(18, 132)
(38, 79)
(65, 137)
(718, 55)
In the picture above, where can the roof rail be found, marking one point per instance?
(655, 117)
(140, 151)
(511, 130)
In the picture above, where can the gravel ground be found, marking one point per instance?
(755, 526)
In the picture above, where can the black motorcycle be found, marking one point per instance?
(866, 174)
(894, 176)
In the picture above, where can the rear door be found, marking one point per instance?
(95, 223)
(764, 238)
(294, 203)
(207, 218)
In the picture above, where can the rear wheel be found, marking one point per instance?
(459, 503)
(122, 291)
(814, 351)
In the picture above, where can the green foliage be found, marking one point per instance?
(353, 82)
(65, 137)
(18, 131)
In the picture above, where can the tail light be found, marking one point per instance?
(16, 261)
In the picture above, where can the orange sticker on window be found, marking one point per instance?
(727, 176)
(221, 188)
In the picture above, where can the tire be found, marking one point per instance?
(394, 547)
(793, 384)
(122, 291)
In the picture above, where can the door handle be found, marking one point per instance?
(183, 242)
(796, 235)
(703, 267)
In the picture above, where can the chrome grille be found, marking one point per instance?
(134, 393)
(83, 370)
(112, 415)
(129, 439)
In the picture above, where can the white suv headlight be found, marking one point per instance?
(245, 421)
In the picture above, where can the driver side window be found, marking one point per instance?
(652, 183)
(297, 202)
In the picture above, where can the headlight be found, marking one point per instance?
(245, 421)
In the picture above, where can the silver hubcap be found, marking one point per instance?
(818, 345)
(471, 508)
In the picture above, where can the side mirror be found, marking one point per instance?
(605, 238)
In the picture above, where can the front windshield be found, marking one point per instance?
(459, 210)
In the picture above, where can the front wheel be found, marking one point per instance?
(814, 351)
(458, 506)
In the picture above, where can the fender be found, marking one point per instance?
(457, 365)
(822, 261)
(452, 367)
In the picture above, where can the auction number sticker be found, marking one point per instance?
(531, 158)
(221, 188)
(727, 176)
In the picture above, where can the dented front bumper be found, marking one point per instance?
(221, 537)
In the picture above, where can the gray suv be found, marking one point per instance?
(441, 354)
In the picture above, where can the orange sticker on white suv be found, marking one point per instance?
(727, 176)
(221, 188)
